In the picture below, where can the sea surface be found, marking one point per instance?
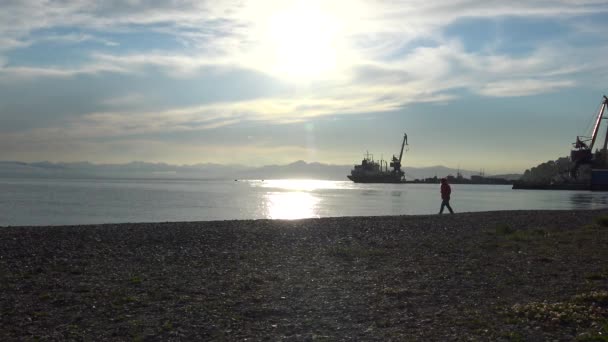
(95, 201)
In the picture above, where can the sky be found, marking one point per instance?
(494, 85)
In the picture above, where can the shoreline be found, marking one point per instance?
(203, 223)
(495, 275)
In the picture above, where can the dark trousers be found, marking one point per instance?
(446, 203)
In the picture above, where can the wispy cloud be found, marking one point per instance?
(16, 73)
(523, 87)
(127, 100)
(71, 38)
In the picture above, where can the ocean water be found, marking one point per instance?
(95, 201)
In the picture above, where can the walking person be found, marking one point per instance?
(446, 190)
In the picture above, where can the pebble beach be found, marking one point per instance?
(488, 276)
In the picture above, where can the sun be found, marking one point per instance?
(302, 41)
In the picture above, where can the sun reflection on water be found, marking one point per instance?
(294, 198)
(291, 205)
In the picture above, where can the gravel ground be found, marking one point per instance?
(509, 275)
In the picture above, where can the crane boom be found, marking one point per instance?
(402, 145)
(597, 122)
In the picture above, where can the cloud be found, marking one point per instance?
(125, 123)
(7, 44)
(525, 87)
(132, 99)
(72, 38)
(232, 28)
(427, 74)
(448, 66)
(233, 25)
(17, 73)
(177, 65)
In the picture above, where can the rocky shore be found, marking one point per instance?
(495, 276)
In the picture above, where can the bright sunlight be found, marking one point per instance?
(303, 41)
(291, 205)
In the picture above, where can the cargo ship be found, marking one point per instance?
(371, 171)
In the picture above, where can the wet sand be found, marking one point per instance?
(511, 275)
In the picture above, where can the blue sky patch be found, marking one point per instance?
(509, 35)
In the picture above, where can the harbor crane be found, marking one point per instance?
(583, 148)
(396, 163)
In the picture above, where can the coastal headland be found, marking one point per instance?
(505, 275)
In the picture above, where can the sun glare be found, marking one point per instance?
(302, 41)
(291, 205)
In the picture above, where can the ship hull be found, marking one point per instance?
(376, 179)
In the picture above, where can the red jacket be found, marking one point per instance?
(445, 191)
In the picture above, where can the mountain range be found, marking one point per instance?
(298, 169)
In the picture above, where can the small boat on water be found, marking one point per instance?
(371, 171)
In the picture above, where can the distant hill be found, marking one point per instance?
(298, 169)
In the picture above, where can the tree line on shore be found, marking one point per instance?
(553, 172)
